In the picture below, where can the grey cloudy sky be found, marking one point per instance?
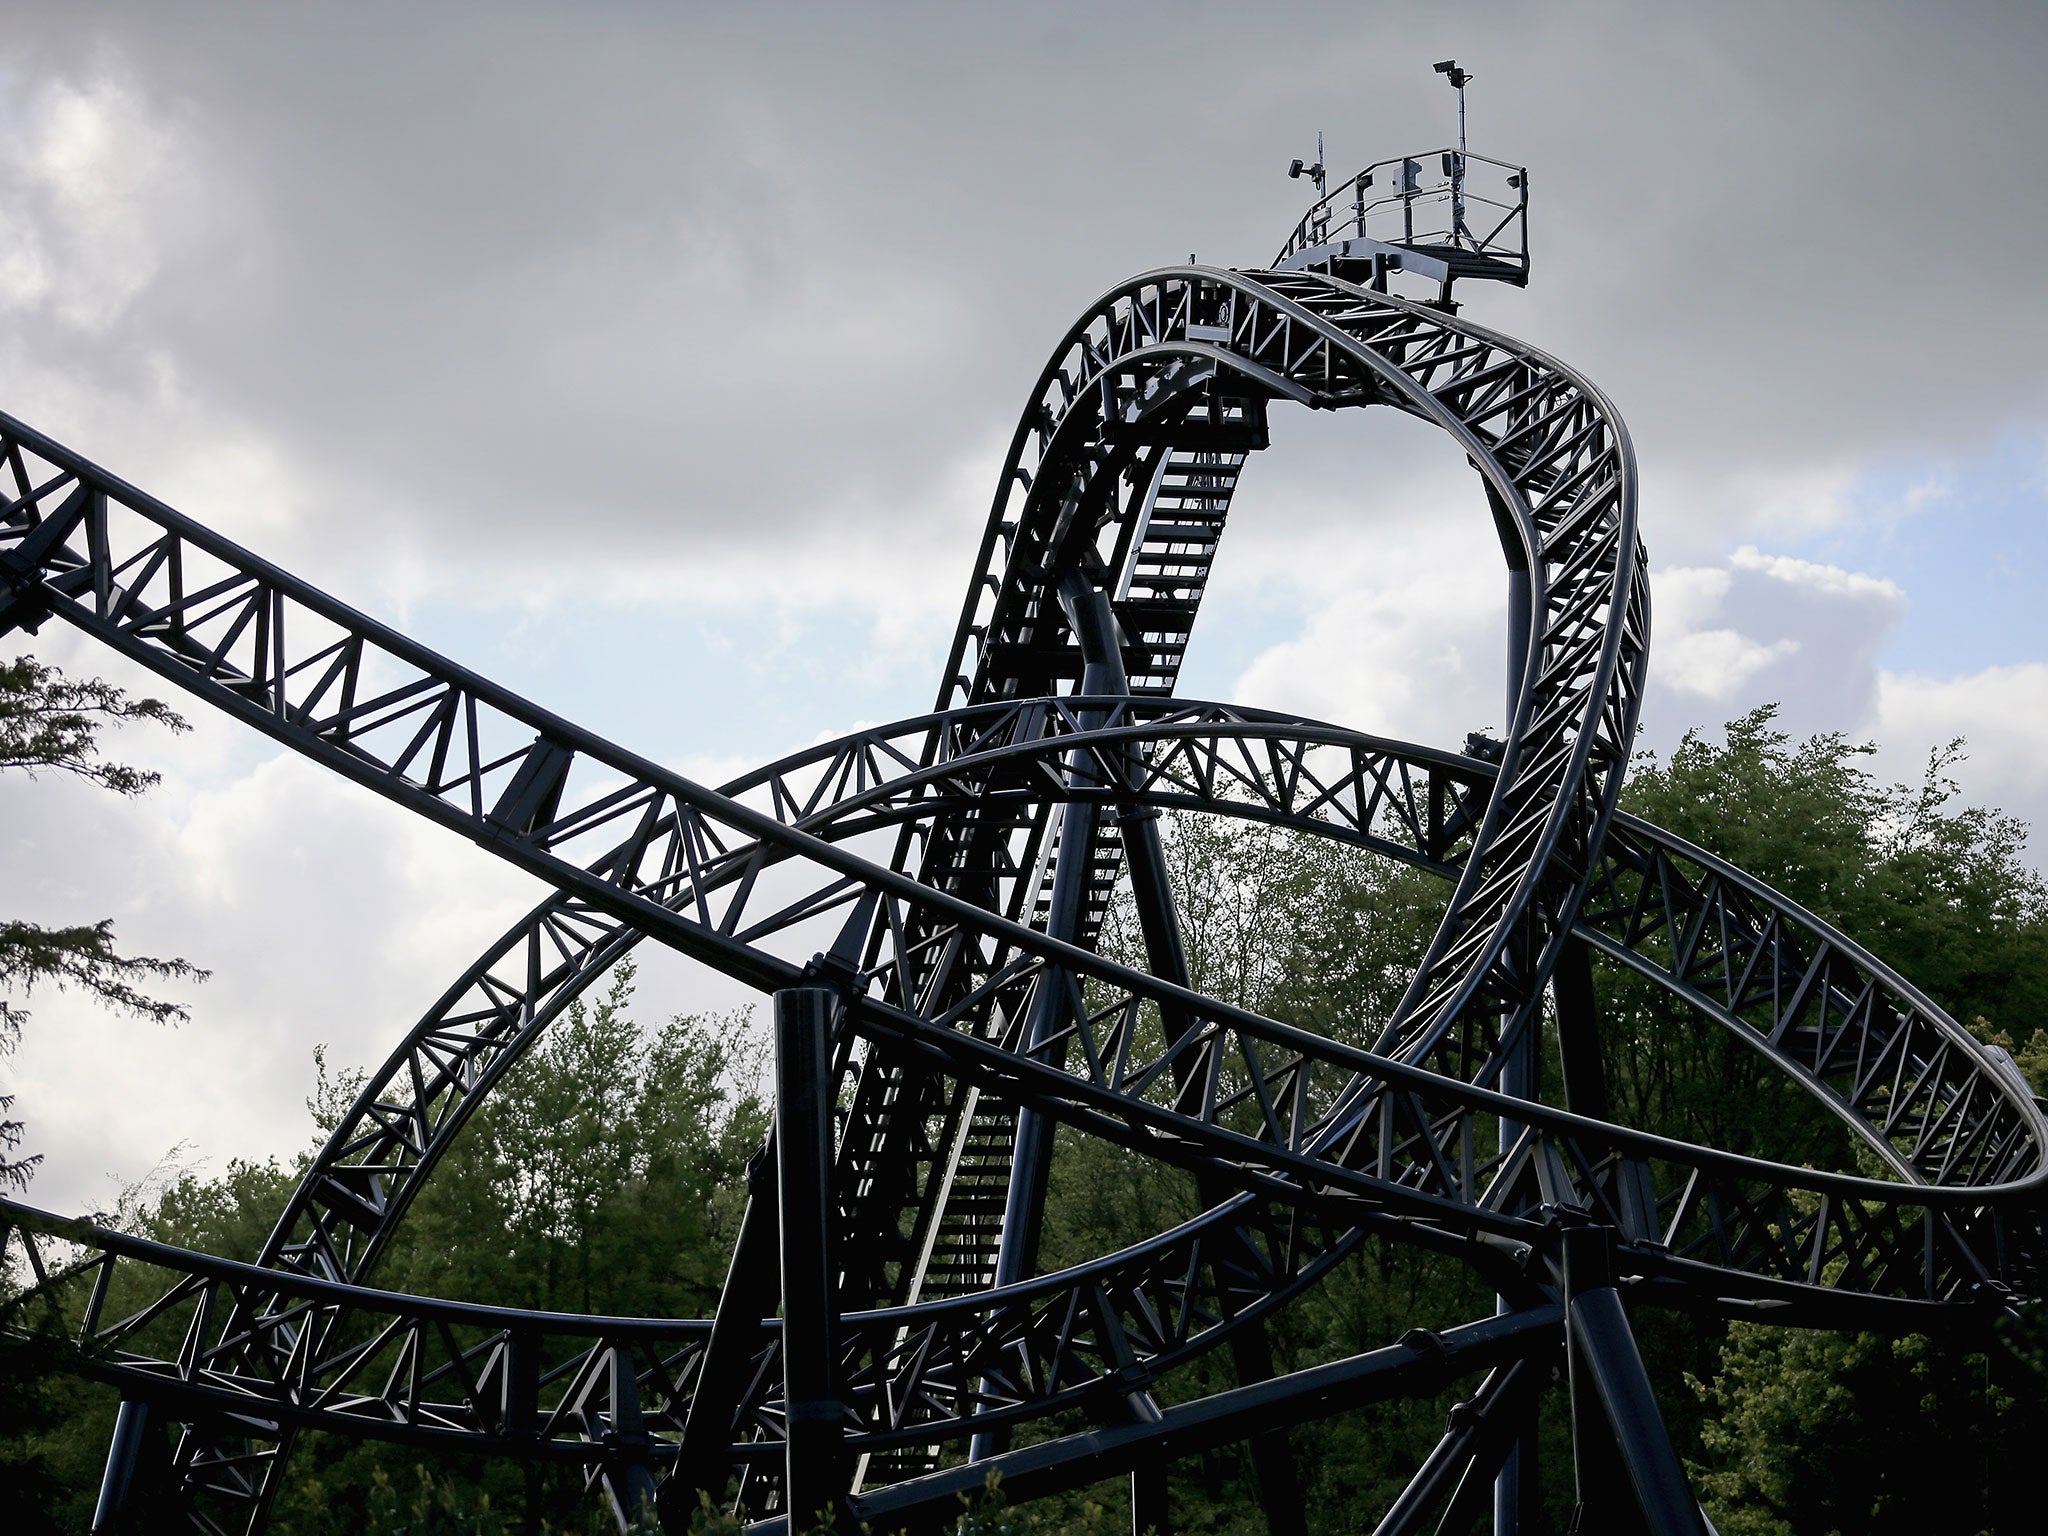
(658, 361)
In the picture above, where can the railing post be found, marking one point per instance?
(815, 1477)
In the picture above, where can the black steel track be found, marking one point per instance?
(943, 880)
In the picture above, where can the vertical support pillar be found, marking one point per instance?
(131, 1464)
(753, 1289)
(1578, 1032)
(1251, 1353)
(1515, 1494)
(1031, 1162)
(1608, 1382)
(1151, 1511)
(1519, 617)
(1479, 1433)
(628, 1475)
(1515, 1503)
(815, 1477)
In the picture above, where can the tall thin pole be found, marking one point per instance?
(815, 1468)
(1458, 171)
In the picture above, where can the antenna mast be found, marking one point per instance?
(1459, 78)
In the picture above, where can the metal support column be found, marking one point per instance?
(1578, 1032)
(628, 1474)
(753, 1290)
(1481, 1431)
(816, 1476)
(1031, 1160)
(1515, 1498)
(1607, 1369)
(1151, 1510)
(133, 1458)
(1515, 1501)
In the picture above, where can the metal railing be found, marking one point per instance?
(1467, 211)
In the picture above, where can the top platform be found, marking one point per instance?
(1440, 215)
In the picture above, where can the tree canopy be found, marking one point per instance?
(606, 1174)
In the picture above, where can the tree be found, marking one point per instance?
(1817, 1432)
(49, 723)
(1787, 1431)
(606, 1173)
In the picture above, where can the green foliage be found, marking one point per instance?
(1832, 1434)
(1320, 934)
(51, 723)
(48, 722)
(606, 1174)
(1937, 889)
(1799, 1431)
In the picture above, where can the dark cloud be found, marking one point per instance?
(496, 302)
(640, 282)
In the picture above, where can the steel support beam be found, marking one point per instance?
(1481, 1432)
(1420, 1363)
(816, 1476)
(1031, 1164)
(628, 1475)
(1088, 611)
(536, 789)
(753, 1289)
(1607, 1371)
(134, 1460)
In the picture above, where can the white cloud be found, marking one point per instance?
(1716, 663)
(741, 326)
(1424, 661)
(1687, 597)
(2002, 714)
(325, 914)
(84, 191)
(1762, 628)
(1831, 579)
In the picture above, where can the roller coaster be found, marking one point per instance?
(924, 900)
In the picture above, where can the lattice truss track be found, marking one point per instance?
(961, 1009)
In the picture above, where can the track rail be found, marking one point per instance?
(968, 1362)
(975, 849)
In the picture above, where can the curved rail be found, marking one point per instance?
(964, 1350)
(978, 973)
(1133, 392)
(602, 1390)
(682, 836)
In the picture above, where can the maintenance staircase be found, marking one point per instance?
(901, 1120)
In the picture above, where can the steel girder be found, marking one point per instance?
(1118, 483)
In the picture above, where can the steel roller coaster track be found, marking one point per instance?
(924, 900)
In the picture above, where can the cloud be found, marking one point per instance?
(747, 287)
(2002, 715)
(325, 914)
(1415, 649)
(1717, 663)
(673, 343)
(1830, 580)
(84, 183)
(1766, 628)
